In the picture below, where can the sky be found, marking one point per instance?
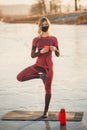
(83, 2)
(17, 1)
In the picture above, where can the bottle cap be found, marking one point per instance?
(62, 110)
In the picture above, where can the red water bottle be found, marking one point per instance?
(62, 117)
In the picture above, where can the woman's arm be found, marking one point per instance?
(55, 49)
(34, 54)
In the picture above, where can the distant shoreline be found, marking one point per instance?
(63, 18)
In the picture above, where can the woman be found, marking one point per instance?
(43, 68)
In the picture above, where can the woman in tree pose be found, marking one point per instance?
(42, 48)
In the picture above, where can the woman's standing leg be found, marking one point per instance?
(48, 82)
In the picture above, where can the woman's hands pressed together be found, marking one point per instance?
(44, 50)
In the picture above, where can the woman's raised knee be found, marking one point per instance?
(19, 78)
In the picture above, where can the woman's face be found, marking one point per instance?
(44, 24)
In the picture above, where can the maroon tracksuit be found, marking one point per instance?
(43, 63)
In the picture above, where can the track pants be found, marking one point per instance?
(33, 72)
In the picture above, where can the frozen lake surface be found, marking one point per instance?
(69, 88)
